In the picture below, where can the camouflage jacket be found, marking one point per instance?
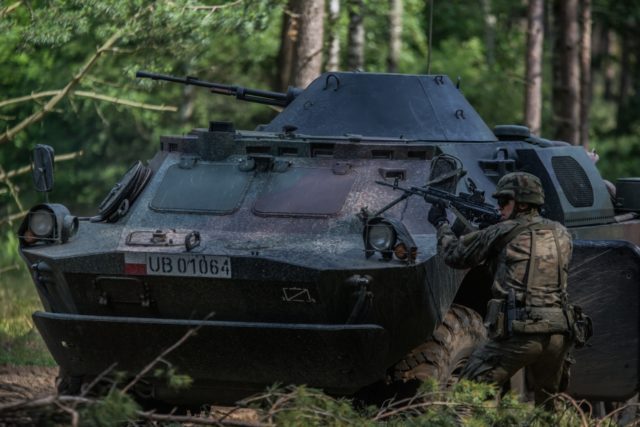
(509, 261)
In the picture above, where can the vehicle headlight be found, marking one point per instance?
(41, 222)
(48, 223)
(389, 237)
(381, 236)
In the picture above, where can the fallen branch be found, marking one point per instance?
(162, 355)
(99, 378)
(611, 416)
(152, 416)
(75, 417)
(576, 406)
(42, 402)
(69, 403)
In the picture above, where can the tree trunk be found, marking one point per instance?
(489, 31)
(288, 37)
(566, 65)
(609, 70)
(395, 34)
(355, 57)
(624, 84)
(533, 88)
(585, 71)
(333, 62)
(307, 59)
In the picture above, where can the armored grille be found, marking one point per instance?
(573, 180)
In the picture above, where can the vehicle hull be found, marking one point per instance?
(339, 358)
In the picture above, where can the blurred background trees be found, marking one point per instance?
(569, 69)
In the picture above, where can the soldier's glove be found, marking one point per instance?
(459, 228)
(437, 214)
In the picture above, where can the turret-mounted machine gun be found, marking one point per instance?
(245, 94)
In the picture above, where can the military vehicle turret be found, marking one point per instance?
(296, 265)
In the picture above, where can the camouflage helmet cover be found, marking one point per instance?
(522, 187)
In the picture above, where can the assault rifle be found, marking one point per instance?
(467, 207)
(242, 93)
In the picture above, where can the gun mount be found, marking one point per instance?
(244, 94)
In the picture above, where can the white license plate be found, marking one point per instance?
(190, 265)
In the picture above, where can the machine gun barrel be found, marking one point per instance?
(469, 205)
(252, 95)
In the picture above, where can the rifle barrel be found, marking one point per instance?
(478, 210)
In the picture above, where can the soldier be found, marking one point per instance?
(529, 321)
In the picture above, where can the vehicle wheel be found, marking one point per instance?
(444, 355)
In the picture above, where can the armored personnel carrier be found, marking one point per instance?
(295, 257)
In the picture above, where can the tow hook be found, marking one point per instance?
(362, 296)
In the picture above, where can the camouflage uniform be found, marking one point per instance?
(537, 274)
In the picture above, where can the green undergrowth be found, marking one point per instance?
(468, 404)
(20, 342)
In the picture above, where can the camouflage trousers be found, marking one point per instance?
(544, 355)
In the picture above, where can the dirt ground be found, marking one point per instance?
(26, 382)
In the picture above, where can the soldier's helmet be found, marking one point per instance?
(522, 187)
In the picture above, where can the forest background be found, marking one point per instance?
(569, 69)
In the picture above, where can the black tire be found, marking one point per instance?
(443, 356)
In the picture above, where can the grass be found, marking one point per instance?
(20, 342)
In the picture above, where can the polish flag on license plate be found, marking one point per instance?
(135, 264)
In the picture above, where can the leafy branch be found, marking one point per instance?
(92, 95)
(7, 10)
(50, 105)
(465, 404)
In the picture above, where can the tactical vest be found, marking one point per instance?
(534, 252)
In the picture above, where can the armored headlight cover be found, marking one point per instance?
(389, 237)
(47, 223)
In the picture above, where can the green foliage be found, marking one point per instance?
(466, 404)
(45, 44)
(618, 155)
(20, 342)
(311, 407)
(113, 410)
(174, 380)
